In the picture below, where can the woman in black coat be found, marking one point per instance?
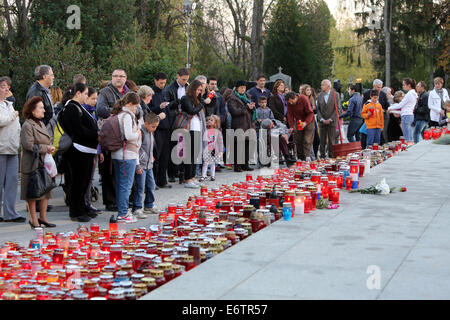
(277, 103)
(193, 105)
(242, 110)
(81, 126)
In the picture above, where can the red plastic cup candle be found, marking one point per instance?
(427, 134)
(95, 227)
(248, 177)
(203, 190)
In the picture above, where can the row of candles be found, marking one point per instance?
(435, 133)
(116, 264)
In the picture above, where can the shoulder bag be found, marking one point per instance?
(39, 182)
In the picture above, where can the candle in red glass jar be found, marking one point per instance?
(349, 182)
(115, 253)
(427, 134)
(324, 183)
(308, 201)
(315, 177)
(95, 227)
(313, 191)
(362, 167)
(58, 256)
(336, 195)
(262, 199)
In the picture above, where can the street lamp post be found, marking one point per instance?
(189, 6)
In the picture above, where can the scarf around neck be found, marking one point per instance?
(243, 97)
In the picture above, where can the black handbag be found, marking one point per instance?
(39, 182)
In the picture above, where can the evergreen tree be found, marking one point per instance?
(287, 44)
(298, 39)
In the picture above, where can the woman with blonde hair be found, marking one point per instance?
(57, 95)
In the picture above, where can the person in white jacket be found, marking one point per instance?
(9, 160)
(406, 106)
(436, 99)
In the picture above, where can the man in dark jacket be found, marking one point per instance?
(217, 101)
(107, 97)
(44, 80)
(114, 91)
(355, 105)
(174, 92)
(259, 90)
(159, 105)
(421, 112)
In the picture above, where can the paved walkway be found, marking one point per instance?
(402, 240)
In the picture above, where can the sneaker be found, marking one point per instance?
(139, 213)
(212, 179)
(128, 218)
(191, 185)
(151, 210)
(201, 179)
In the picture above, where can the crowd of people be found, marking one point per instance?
(144, 138)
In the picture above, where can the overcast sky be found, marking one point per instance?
(332, 5)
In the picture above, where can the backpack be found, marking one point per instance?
(59, 139)
(111, 135)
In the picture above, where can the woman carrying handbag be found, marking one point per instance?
(192, 106)
(34, 133)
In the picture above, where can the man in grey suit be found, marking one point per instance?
(327, 118)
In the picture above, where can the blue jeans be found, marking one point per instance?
(373, 136)
(124, 173)
(407, 128)
(421, 126)
(144, 182)
(353, 129)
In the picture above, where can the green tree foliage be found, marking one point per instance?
(286, 43)
(414, 24)
(317, 21)
(352, 59)
(101, 22)
(66, 57)
(298, 39)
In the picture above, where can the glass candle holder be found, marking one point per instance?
(287, 211)
(336, 195)
(349, 183)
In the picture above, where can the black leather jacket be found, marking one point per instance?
(171, 93)
(36, 90)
